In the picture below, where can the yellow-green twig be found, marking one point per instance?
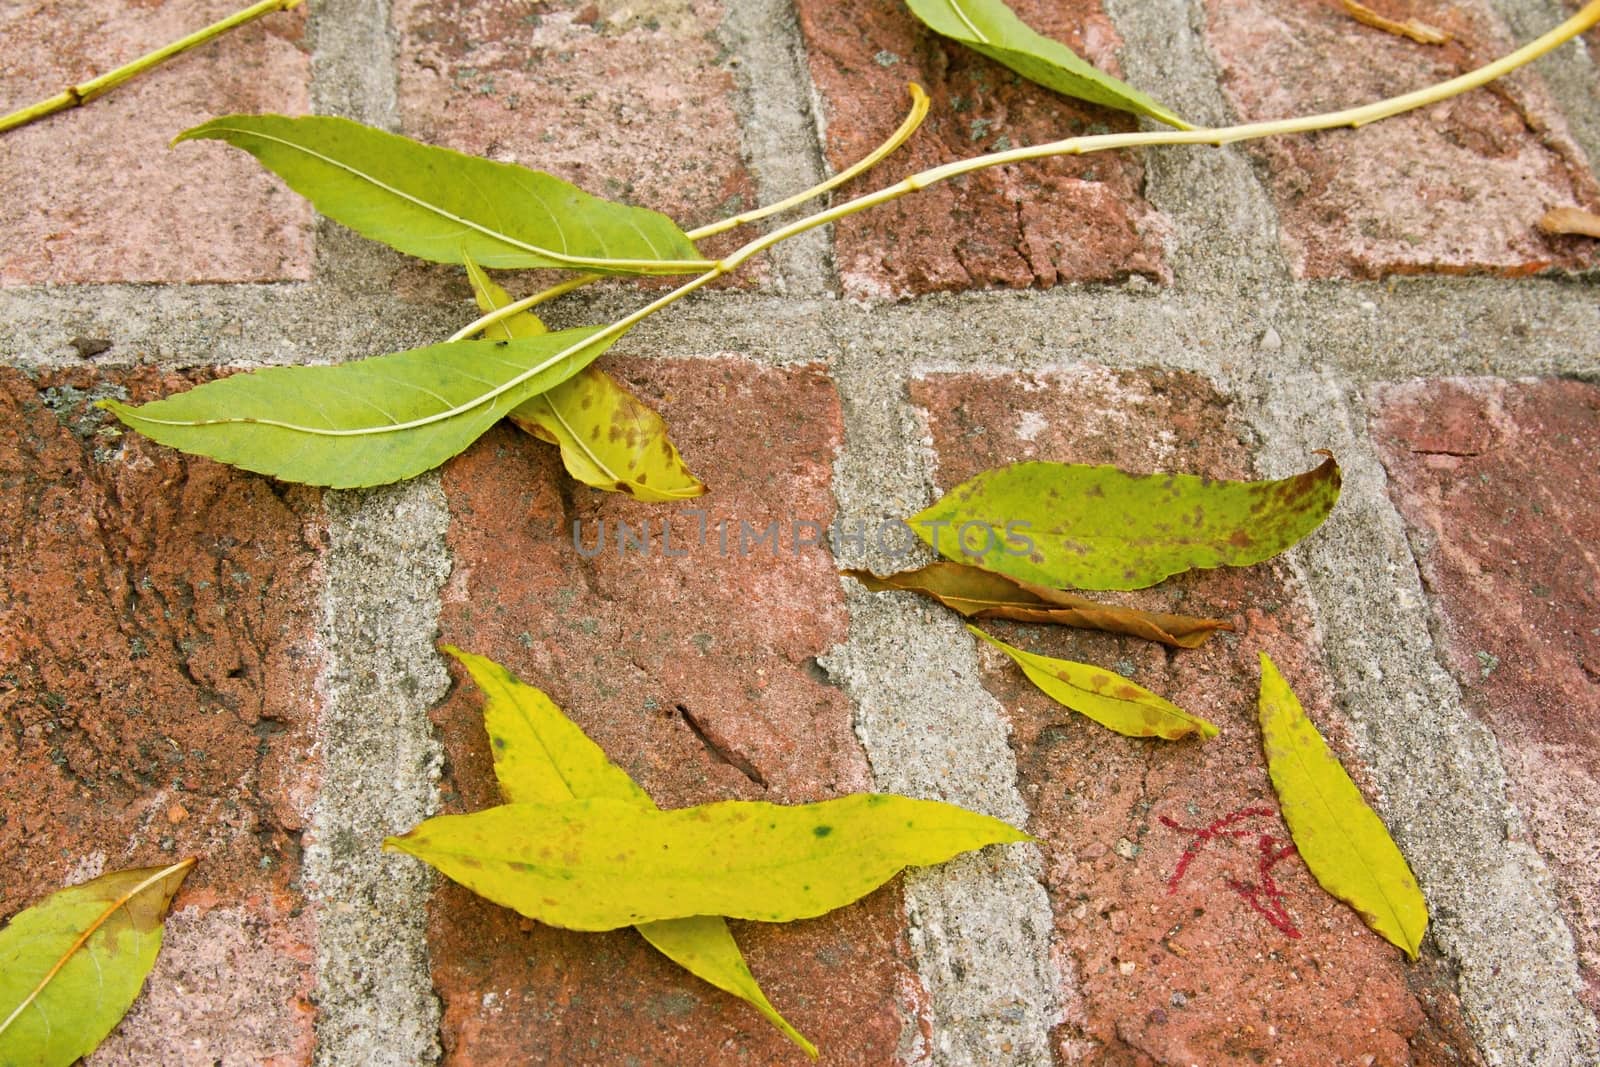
(75, 95)
(913, 119)
(1586, 17)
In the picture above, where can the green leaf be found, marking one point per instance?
(993, 29)
(542, 757)
(600, 864)
(981, 594)
(1109, 699)
(1344, 843)
(71, 965)
(1068, 524)
(609, 438)
(438, 204)
(368, 422)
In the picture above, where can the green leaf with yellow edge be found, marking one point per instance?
(599, 864)
(368, 422)
(1091, 527)
(993, 29)
(542, 757)
(980, 594)
(72, 965)
(438, 204)
(1343, 842)
(1107, 698)
(609, 439)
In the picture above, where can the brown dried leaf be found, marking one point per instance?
(1417, 30)
(1571, 220)
(977, 593)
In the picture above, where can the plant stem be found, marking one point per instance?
(913, 119)
(76, 95)
(1586, 17)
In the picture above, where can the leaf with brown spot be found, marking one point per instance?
(1572, 221)
(1092, 527)
(72, 965)
(1343, 842)
(609, 438)
(981, 594)
(1416, 29)
(1109, 699)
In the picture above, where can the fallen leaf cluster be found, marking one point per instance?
(577, 843)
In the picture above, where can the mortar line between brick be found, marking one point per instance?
(1369, 331)
(1442, 783)
(979, 927)
(352, 76)
(387, 564)
(778, 131)
(1226, 223)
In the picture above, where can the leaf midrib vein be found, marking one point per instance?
(560, 257)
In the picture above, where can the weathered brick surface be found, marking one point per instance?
(695, 673)
(157, 665)
(1065, 220)
(1453, 188)
(94, 194)
(1500, 483)
(630, 102)
(1165, 969)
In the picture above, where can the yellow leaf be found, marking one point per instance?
(1343, 842)
(1107, 698)
(600, 864)
(542, 757)
(72, 965)
(609, 438)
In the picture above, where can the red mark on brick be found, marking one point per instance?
(1264, 895)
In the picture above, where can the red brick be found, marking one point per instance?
(1500, 481)
(94, 194)
(623, 644)
(1193, 975)
(631, 103)
(1064, 220)
(157, 650)
(1454, 188)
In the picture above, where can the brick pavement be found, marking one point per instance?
(196, 660)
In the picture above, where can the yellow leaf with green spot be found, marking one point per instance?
(609, 438)
(1343, 842)
(543, 757)
(600, 864)
(1107, 698)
